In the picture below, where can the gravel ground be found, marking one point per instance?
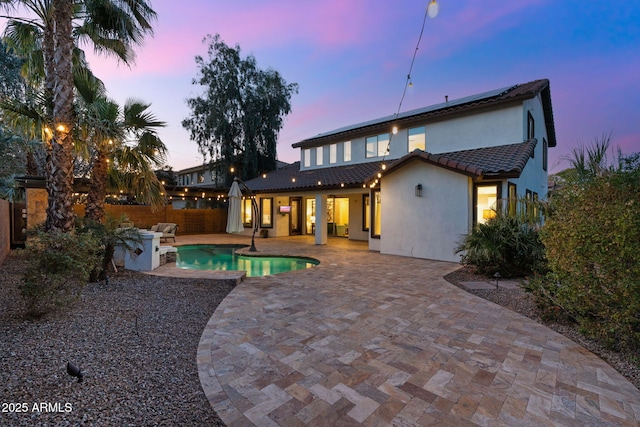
(627, 363)
(135, 339)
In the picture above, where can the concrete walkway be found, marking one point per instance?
(377, 340)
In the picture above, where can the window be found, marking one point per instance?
(200, 177)
(347, 151)
(545, 154)
(485, 196)
(531, 128)
(376, 213)
(333, 153)
(417, 139)
(247, 212)
(366, 212)
(266, 211)
(377, 146)
(307, 157)
(319, 156)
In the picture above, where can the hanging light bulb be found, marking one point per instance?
(432, 9)
(395, 130)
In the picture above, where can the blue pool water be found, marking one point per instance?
(224, 257)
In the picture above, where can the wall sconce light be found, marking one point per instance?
(419, 190)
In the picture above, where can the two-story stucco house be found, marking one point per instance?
(413, 183)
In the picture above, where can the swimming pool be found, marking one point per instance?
(224, 257)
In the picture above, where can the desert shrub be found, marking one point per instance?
(592, 238)
(58, 268)
(505, 244)
(110, 235)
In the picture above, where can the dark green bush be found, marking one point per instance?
(592, 238)
(110, 235)
(58, 268)
(505, 244)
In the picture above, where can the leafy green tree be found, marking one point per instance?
(592, 239)
(237, 120)
(19, 153)
(48, 41)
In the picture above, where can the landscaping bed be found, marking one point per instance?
(135, 338)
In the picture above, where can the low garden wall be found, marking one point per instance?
(5, 229)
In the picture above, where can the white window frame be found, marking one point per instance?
(346, 154)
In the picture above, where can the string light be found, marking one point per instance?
(431, 12)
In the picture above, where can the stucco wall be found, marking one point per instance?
(480, 129)
(429, 226)
(5, 230)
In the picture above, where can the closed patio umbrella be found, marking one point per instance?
(234, 216)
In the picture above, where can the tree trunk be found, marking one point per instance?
(60, 169)
(97, 188)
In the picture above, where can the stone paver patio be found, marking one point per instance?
(377, 340)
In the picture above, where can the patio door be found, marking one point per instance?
(295, 218)
(338, 216)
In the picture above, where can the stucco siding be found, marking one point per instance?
(487, 129)
(484, 129)
(429, 226)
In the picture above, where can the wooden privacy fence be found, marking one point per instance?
(190, 221)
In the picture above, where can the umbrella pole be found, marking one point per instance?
(254, 206)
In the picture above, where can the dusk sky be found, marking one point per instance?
(351, 59)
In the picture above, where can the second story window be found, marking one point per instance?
(347, 151)
(417, 139)
(377, 145)
(333, 153)
(200, 177)
(307, 157)
(531, 126)
(319, 159)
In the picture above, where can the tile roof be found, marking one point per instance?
(462, 105)
(347, 176)
(502, 161)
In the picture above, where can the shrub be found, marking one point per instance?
(505, 244)
(592, 237)
(110, 235)
(58, 268)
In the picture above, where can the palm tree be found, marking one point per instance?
(124, 150)
(112, 26)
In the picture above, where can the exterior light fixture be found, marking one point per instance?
(395, 130)
(432, 9)
(379, 175)
(319, 182)
(342, 184)
(419, 190)
(264, 175)
(232, 170)
(384, 166)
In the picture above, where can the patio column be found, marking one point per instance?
(321, 219)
